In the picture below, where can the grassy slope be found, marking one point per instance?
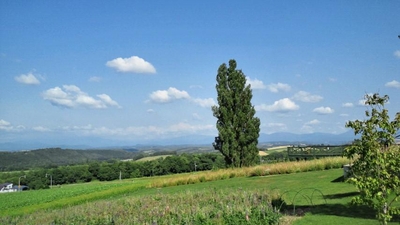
(302, 189)
(329, 203)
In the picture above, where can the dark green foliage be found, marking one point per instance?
(275, 157)
(107, 171)
(53, 157)
(237, 127)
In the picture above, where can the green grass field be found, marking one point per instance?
(316, 197)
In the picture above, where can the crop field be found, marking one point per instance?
(277, 149)
(149, 158)
(240, 196)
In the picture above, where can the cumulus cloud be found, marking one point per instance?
(347, 105)
(29, 79)
(206, 102)
(307, 97)
(278, 87)
(397, 54)
(173, 94)
(282, 105)
(7, 126)
(4, 125)
(108, 101)
(133, 64)
(323, 110)
(255, 84)
(393, 83)
(71, 96)
(164, 96)
(313, 122)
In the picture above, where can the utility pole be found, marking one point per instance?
(19, 182)
(51, 179)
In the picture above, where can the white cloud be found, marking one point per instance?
(4, 123)
(85, 127)
(133, 64)
(344, 115)
(71, 96)
(397, 54)
(147, 132)
(108, 101)
(306, 97)
(393, 83)
(206, 102)
(188, 128)
(150, 111)
(282, 105)
(7, 126)
(278, 87)
(27, 79)
(95, 79)
(323, 110)
(172, 94)
(331, 79)
(347, 105)
(255, 84)
(313, 122)
(164, 96)
(41, 129)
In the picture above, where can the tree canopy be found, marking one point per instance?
(376, 158)
(237, 125)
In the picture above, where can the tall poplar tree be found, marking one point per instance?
(237, 126)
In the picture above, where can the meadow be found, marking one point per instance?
(307, 192)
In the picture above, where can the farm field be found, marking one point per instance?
(149, 158)
(277, 149)
(317, 197)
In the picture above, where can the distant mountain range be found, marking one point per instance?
(311, 138)
(91, 143)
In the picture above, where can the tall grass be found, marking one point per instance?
(228, 206)
(260, 170)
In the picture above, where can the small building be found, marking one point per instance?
(9, 187)
(6, 187)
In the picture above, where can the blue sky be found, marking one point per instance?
(140, 70)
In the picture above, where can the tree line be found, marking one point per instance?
(106, 171)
